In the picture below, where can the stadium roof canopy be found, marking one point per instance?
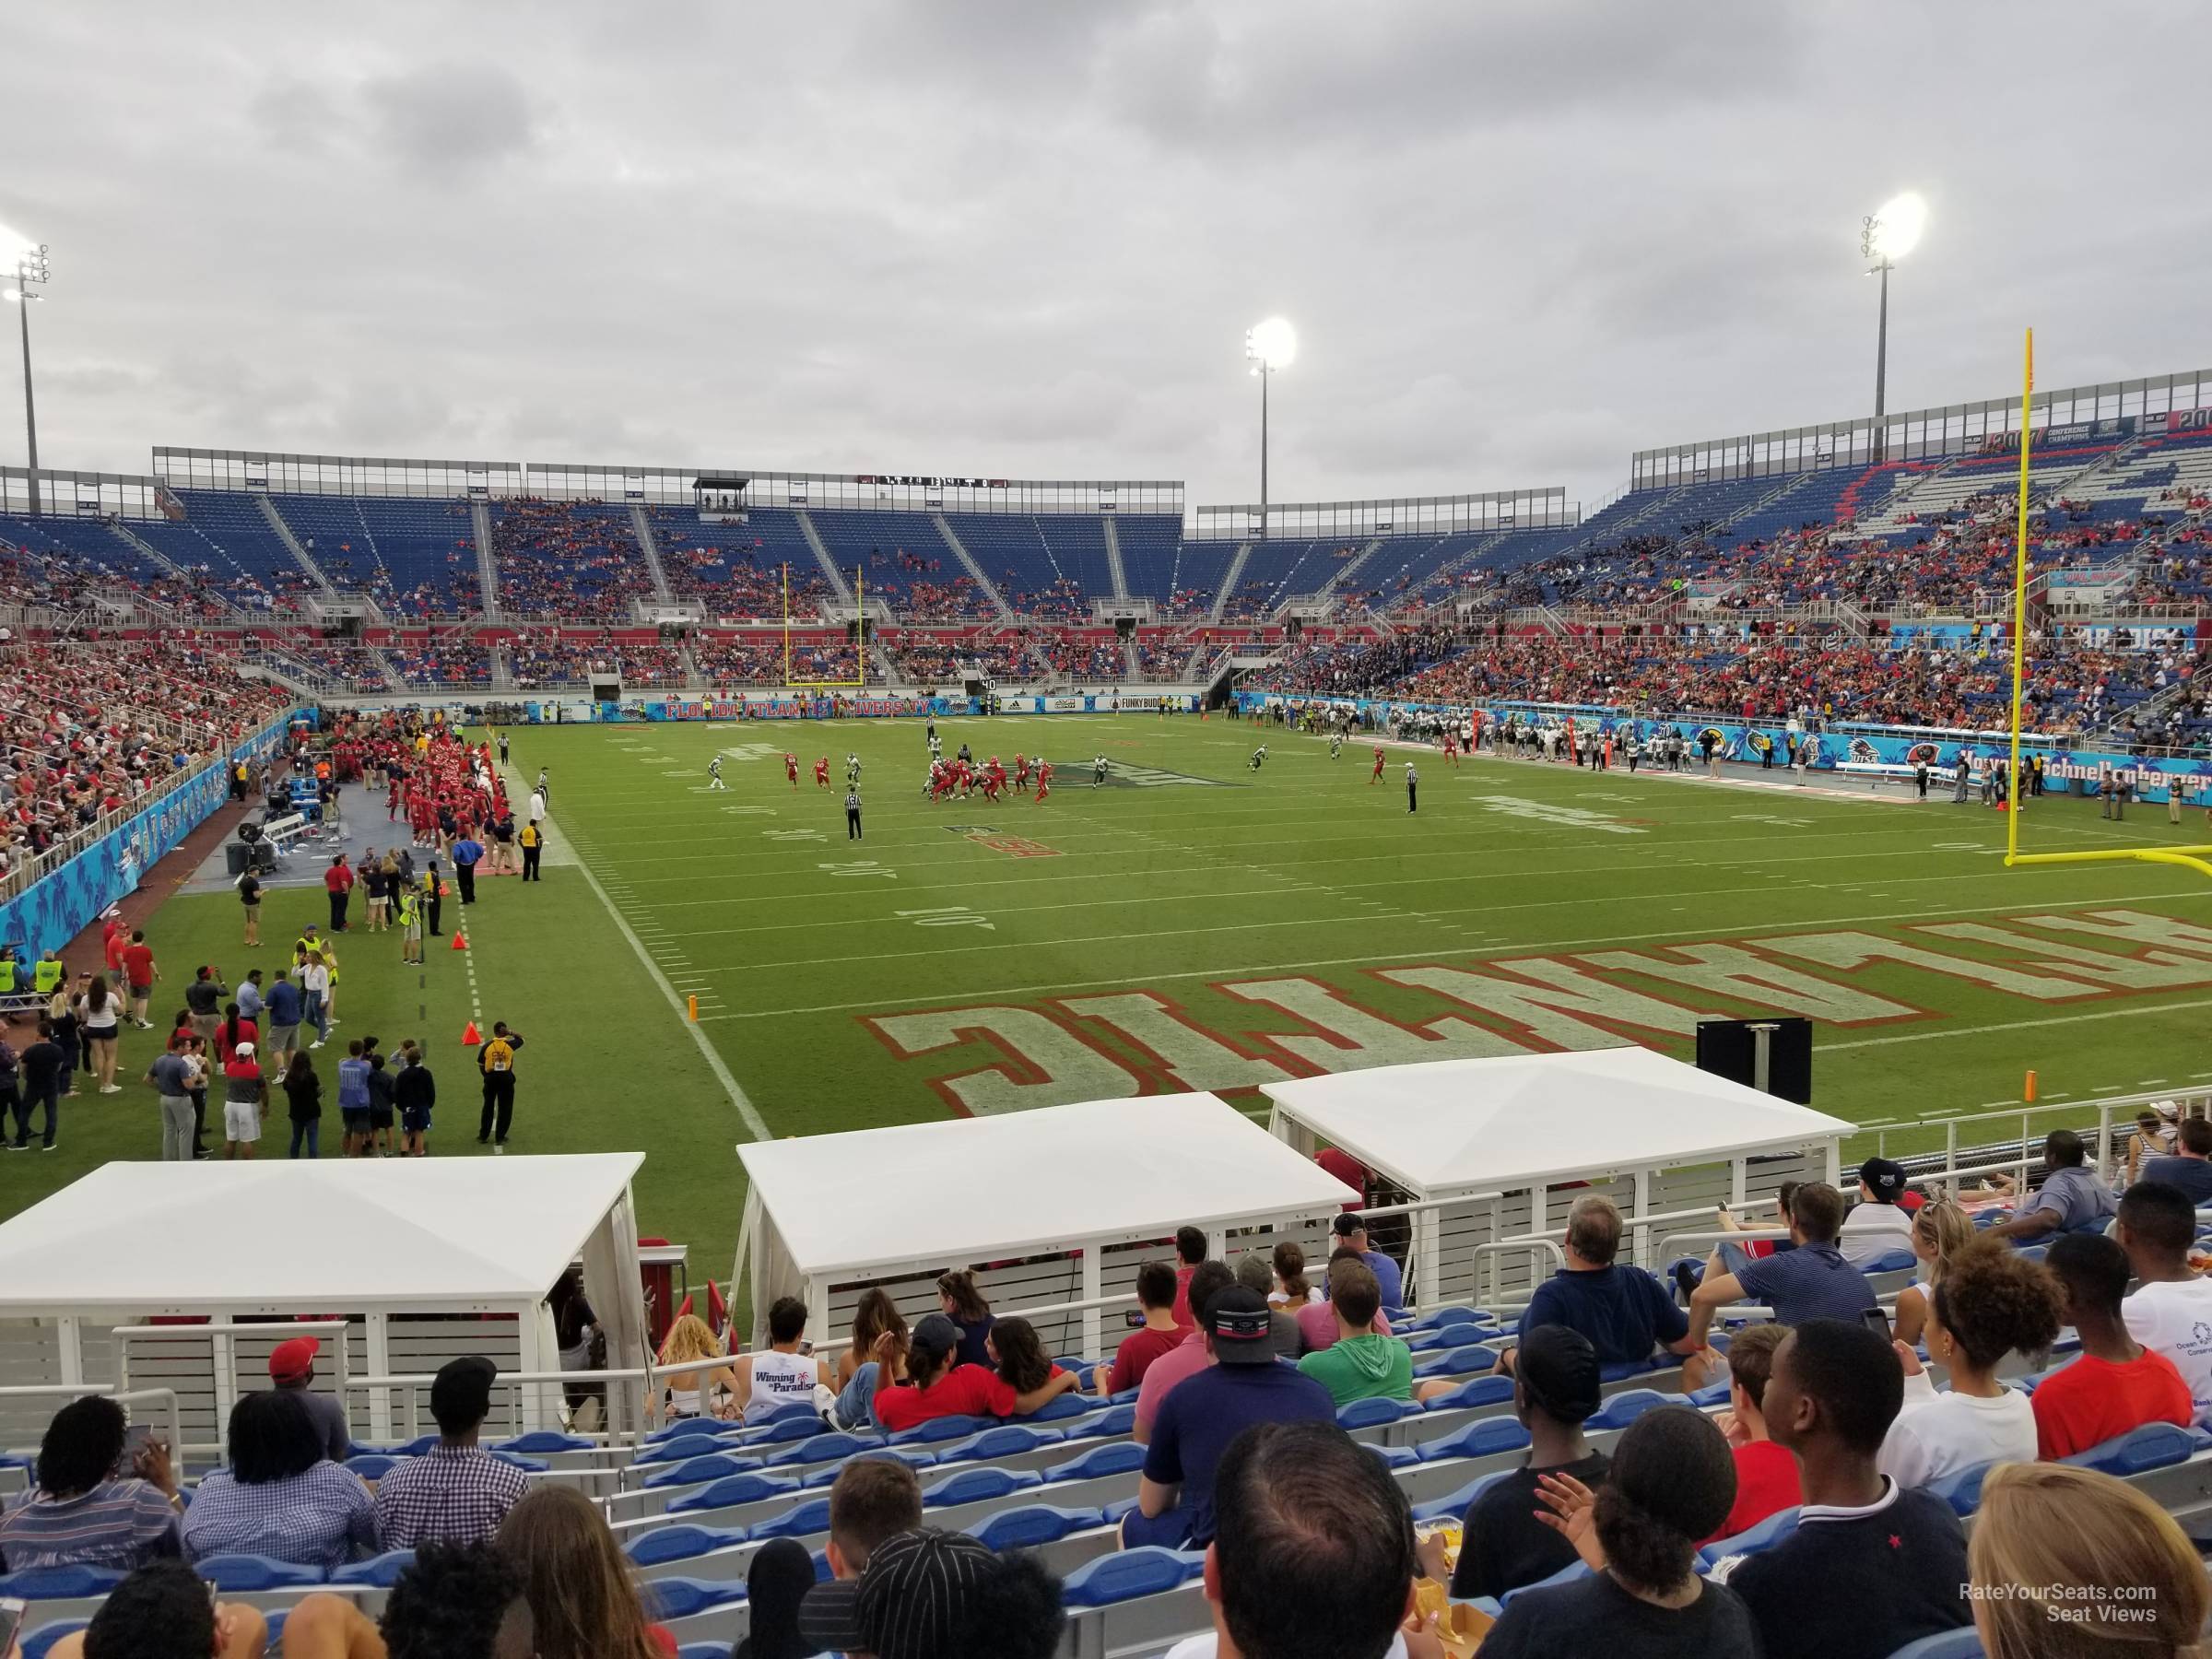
(918, 1197)
(423, 1241)
(1480, 1145)
(1457, 1128)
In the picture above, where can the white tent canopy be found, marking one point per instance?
(829, 1209)
(368, 1237)
(1457, 1130)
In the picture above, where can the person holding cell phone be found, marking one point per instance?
(95, 1499)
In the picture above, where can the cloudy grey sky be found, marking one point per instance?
(1519, 238)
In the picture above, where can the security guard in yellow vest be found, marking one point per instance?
(46, 978)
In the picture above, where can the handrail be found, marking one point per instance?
(1532, 1246)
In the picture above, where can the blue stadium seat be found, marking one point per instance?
(1009, 1440)
(733, 1489)
(1765, 1536)
(1457, 1362)
(381, 1570)
(371, 1466)
(1891, 1261)
(1115, 1420)
(823, 1448)
(1033, 1524)
(912, 1459)
(941, 1429)
(59, 1583)
(1625, 1407)
(1116, 1457)
(239, 1574)
(1484, 1437)
(1127, 1576)
(1962, 1489)
(685, 1447)
(2152, 1446)
(1396, 1457)
(812, 1516)
(681, 1542)
(682, 1597)
(704, 1650)
(1373, 1413)
(714, 1425)
(1478, 1391)
(1061, 1407)
(1619, 1371)
(977, 1486)
(693, 1470)
(541, 1441)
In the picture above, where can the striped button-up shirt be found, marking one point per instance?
(118, 1523)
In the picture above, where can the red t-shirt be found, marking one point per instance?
(113, 942)
(1182, 1311)
(965, 1391)
(1766, 1484)
(227, 1052)
(339, 878)
(2093, 1400)
(1134, 1357)
(1346, 1169)
(138, 962)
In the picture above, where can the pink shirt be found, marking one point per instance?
(1317, 1327)
(1187, 1360)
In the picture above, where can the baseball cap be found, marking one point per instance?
(909, 1604)
(243, 1048)
(294, 1358)
(934, 1334)
(1558, 1369)
(1347, 1224)
(461, 1393)
(1237, 1320)
(1884, 1177)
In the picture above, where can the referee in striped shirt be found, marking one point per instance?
(852, 815)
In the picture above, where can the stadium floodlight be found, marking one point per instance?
(1269, 348)
(1886, 236)
(28, 261)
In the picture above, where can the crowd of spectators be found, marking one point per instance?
(566, 558)
(1062, 600)
(426, 664)
(93, 727)
(1077, 656)
(540, 658)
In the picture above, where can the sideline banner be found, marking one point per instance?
(2066, 769)
(55, 909)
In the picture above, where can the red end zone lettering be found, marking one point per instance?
(1018, 846)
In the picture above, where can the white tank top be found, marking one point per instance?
(777, 1380)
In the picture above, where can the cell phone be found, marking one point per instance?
(11, 1622)
(1877, 1322)
(135, 1440)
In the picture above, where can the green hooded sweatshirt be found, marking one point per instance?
(1362, 1368)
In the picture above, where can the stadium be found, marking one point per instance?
(1645, 1045)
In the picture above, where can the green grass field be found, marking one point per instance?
(1193, 924)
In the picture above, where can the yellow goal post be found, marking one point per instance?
(2193, 858)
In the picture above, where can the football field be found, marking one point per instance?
(1193, 924)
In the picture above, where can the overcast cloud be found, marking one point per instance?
(1519, 238)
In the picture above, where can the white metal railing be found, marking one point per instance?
(221, 1361)
(65, 1392)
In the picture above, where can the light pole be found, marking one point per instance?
(1886, 237)
(31, 266)
(1268, 346)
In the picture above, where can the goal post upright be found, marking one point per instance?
(2197, 858)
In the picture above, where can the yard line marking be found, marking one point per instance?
(2019, 1025)
(754, 1125)
(1061, 987)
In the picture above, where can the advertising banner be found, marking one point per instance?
(54, 910)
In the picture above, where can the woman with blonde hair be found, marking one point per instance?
(688, 1395)
(583, 1601)
(1939, 1232)
(2070, 1564)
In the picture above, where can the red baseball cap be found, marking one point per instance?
(293, 1359)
